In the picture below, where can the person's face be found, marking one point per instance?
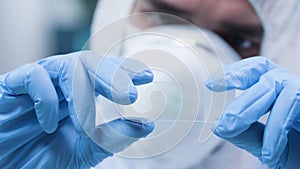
(234, 20)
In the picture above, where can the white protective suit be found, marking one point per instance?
(281, 24)
(181, 143)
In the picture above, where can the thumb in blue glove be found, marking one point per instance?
(65, 148)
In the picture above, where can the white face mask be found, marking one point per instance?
(177, 101)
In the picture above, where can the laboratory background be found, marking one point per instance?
(180, 56)
(33, 29)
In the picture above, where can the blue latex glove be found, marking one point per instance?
(39, 98)
(269, 88)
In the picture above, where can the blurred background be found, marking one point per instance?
(33, 29)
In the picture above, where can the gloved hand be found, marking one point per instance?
(269, 88)
(56, 95)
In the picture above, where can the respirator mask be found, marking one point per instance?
(181, 57)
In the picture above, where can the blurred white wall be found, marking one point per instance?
(26, 28)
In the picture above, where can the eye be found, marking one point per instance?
(238, 42)
(246, 47)
(245, 44)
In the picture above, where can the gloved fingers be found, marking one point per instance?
(115, 77)
(251, 139)
(112, 82)
(109, 78)
(239, 75)
(281, 120)
(80, 75)
(246, 109)
(118, 134)
(73, 84)
(137, 71)
(34, 80)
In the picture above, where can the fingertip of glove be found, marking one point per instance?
(142, 127)
(216, 84)
(125, 96)
(148, 74)
(143, 77)
(49, 129)
(228, 127)
(213, 125)
(48, 121)
(118, 134)
(208, 83)
(141, 122)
